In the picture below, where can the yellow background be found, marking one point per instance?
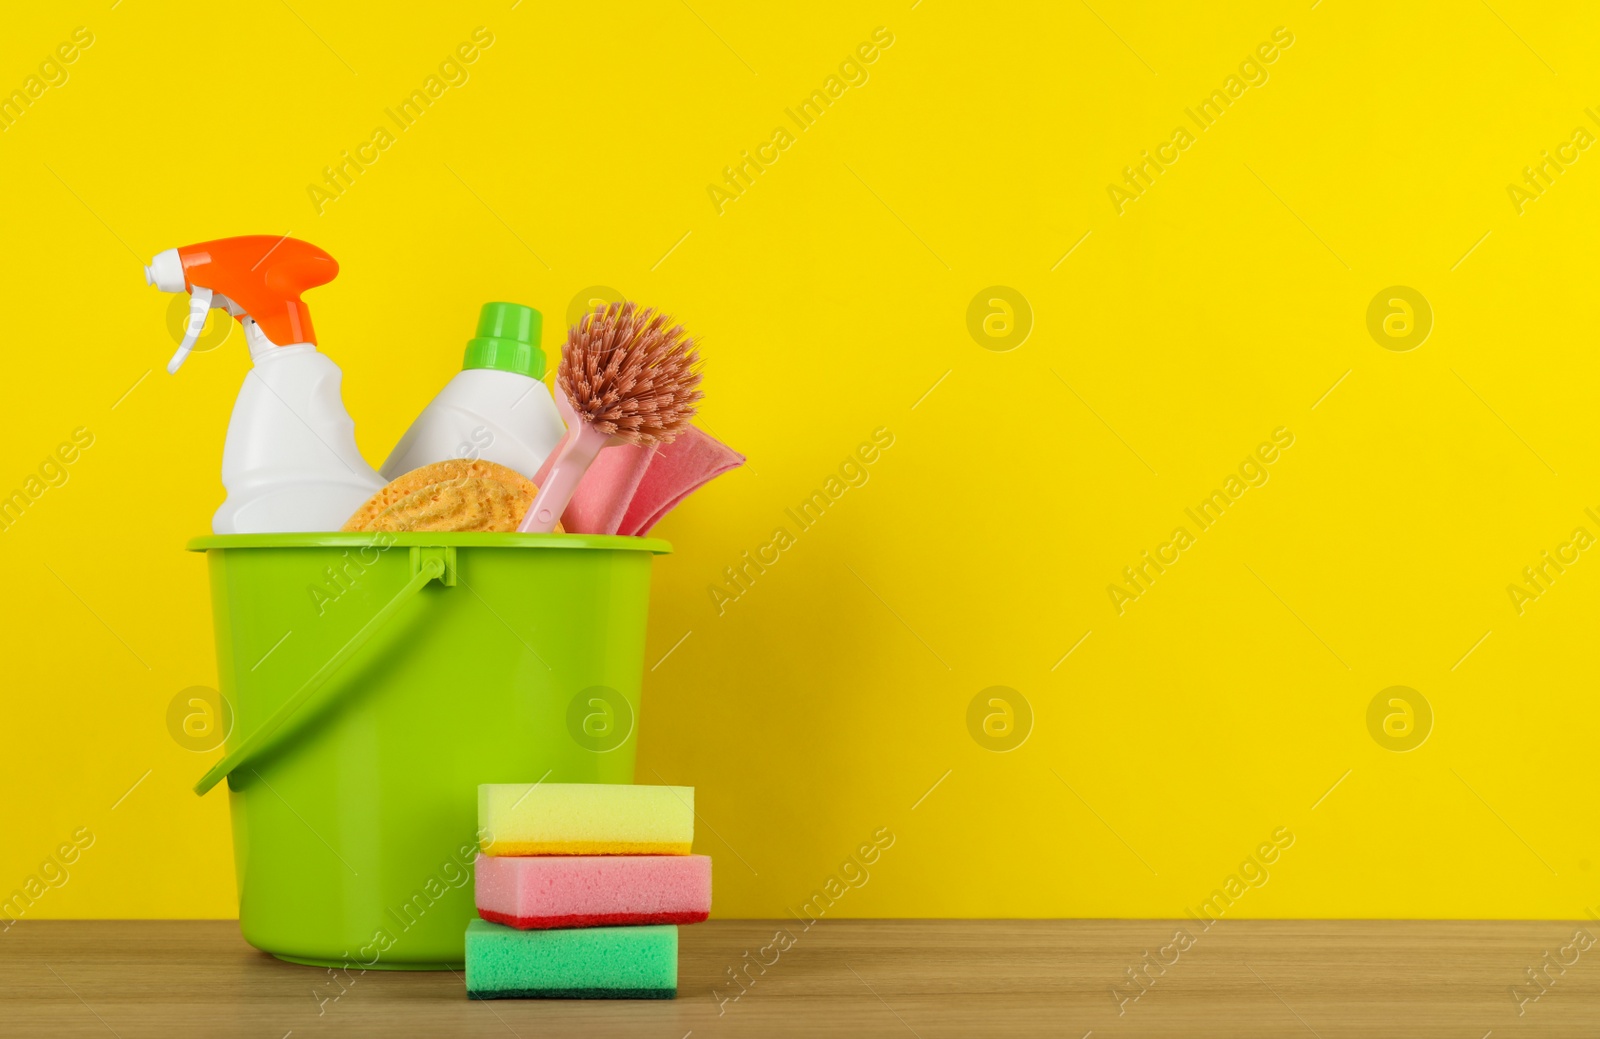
(1229, 700)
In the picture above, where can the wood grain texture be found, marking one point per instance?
(844, 978)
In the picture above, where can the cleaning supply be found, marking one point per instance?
(563, 862)
(584, 819)
(625, 378)
(495, 408)
(538, 892)
(456, 495)
(590, 963)
(290, 461)
(677, 471)
(631, 487)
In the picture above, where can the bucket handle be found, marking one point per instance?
(429, 566)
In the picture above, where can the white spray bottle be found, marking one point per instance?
(290, 462)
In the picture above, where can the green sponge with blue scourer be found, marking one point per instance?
(584, 963)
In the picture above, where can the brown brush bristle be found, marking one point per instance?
(629, 375)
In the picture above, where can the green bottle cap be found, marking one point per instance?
(507, 340)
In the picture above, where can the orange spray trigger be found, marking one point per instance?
(262, 276)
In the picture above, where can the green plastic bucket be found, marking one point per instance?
(375, 680)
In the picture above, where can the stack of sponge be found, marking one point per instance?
(580, 888)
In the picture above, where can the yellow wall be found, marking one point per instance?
(1168, 335)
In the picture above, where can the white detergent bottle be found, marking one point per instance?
(290, 462)
(495, 408)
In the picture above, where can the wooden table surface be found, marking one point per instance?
(847, 978)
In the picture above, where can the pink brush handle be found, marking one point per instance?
(573, 458)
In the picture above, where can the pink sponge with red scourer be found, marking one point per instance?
(544, 891)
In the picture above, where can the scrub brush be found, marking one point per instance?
(625, 378)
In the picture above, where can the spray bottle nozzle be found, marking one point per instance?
(255, 276)
(166, 272)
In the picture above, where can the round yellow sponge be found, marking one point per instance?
(454, 495)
